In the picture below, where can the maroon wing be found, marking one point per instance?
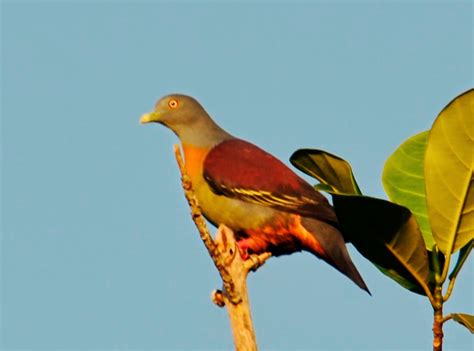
(239, 169)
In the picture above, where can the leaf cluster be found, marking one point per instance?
(429, 180)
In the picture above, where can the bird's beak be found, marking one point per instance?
(150, 117)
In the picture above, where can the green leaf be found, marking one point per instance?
(449, 170)
(404, 181)
(465, 319)
(387, 235)
(463, 255)
(324, 187)
(383, 232)
(329, 169)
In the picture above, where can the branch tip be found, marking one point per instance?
(218, 298)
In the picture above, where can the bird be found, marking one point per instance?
(265, 203)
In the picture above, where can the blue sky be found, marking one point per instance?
(98, 249)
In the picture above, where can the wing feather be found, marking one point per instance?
(239, 169)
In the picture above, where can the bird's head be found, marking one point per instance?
(174, 111)
(185, 116)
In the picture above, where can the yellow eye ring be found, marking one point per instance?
(173, 103)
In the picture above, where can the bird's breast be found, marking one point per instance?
(220, 209)
(194, 159)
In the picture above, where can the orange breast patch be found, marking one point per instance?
(194, 159)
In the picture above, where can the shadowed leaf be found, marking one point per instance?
(449, 174)
(404, 181)
(384, 233)
(465, 319)
(388, 235)
(329, 169)
(407, 284)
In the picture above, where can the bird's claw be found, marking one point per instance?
(243, 250)
(254, 262)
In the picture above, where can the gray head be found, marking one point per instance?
(187, 119)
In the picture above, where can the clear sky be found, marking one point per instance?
(98, 249)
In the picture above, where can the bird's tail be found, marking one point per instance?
(329, 246)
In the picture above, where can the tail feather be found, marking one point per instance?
(330, 247)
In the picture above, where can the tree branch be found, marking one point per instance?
(232, 268)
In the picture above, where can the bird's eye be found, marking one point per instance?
(173, 103)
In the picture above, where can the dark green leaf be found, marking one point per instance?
(387, 235)
(465, 319)
(407, 284)
(329, 169)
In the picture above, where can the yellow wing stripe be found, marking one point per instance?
(266, 197)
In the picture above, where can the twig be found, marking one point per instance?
(447, 318)
(450, 289)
